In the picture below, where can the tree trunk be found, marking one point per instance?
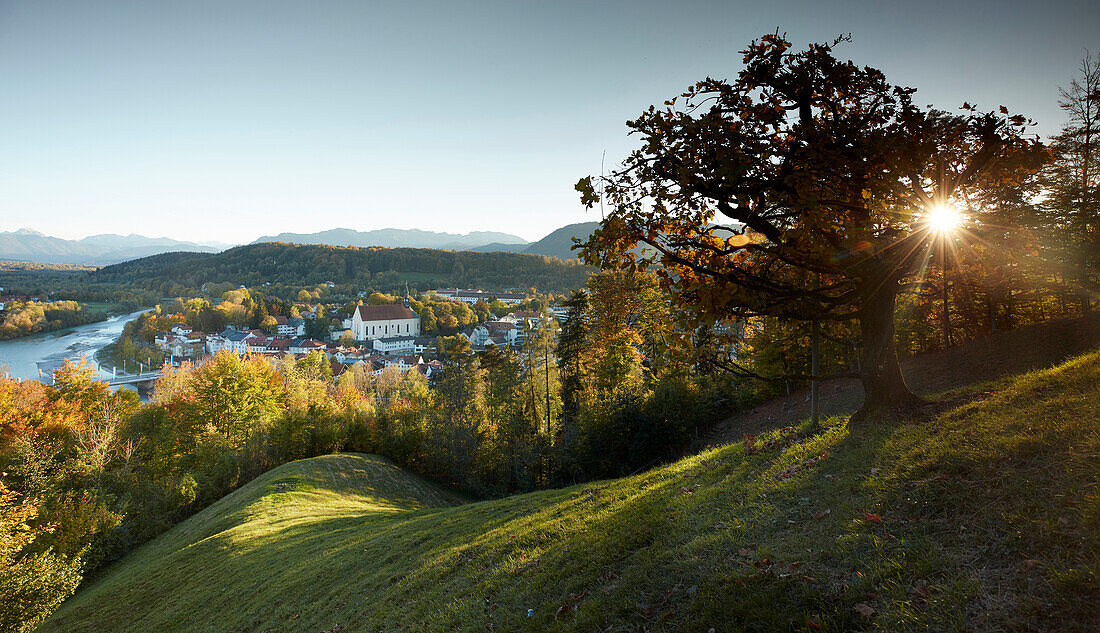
(884, 388)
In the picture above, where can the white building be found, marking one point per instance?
(395, 345)
(496, 332)
(371, 322)
(473, 296)
(290, 326)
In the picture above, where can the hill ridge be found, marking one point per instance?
(877, 526)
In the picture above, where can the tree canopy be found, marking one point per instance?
(801, 190)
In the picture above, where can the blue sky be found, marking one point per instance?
(233, 119)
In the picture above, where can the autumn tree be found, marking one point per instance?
(32, 584)
(799, 190)
(235, 396)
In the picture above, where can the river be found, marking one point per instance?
(22, 357)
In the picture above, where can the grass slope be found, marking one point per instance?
(985, 516)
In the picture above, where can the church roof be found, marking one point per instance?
(385, 312)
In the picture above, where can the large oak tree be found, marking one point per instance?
(800, 190)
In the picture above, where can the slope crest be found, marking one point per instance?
(983, 516)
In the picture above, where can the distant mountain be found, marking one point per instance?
(133, 240)
(559, 243)
(397, 238)
(32, 246)
(497, 247)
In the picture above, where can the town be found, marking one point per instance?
(378, 336)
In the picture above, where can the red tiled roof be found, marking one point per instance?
(385, 312)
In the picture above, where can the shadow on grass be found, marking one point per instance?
(982, 518)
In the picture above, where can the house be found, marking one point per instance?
(388, 345)
(338, 368)
(287, 326)
(404, 363)
(351, 354)
(278, 345)
(524, 319)
(231, 339)
(214, 343)
(380, 321)
(176, 345)
(431, 370)
(236, 341)
(305, 346)
(258, 343)
(505, 333)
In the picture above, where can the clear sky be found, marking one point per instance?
(230, 119)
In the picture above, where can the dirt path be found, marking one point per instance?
(986, 358)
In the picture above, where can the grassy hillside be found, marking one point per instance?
(982, 515)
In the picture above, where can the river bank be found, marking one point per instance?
(24, 357)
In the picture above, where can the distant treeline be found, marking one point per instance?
(21, 318)
(381, 269)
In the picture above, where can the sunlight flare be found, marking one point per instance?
(943, 218)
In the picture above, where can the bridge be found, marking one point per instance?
(134, 379)
(142, 378)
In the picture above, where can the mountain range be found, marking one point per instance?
(108, 248)
(32, 246)
(556, 244)
(395, 238)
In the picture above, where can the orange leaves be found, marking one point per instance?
(742, 240)
(872, 518)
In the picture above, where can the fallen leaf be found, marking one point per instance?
(872, 518)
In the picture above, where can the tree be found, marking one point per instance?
(32, 584)
(453, 349)
(427, 319)
(541, 379)
(318, 328)
(269, 324)
(1073, 178)
(481, 311)
(499, 308)
(347, 339)
(800, 190)
(572, 344)
(235, 396)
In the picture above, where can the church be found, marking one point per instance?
(371, 322)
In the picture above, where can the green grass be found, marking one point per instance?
(983, 517)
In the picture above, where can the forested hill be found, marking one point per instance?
(381, 268)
